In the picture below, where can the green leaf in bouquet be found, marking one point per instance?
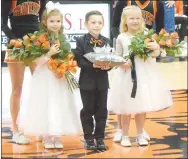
(29, 60)
(170, 52)
(9, 46)
(66, 46)
(150, 33)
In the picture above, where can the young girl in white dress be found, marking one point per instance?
(152, 93)
(50, 109)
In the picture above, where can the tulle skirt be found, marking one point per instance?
(152, 91)
(51, 108)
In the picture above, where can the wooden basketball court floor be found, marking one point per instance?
(167, 128)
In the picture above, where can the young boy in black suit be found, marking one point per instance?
(93, 82)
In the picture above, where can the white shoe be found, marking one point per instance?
(125, 141)
(118, 135)
(58, 144)
(48, 144)
(146, 136)
(141, 140)
(20, 138)
(39, 138)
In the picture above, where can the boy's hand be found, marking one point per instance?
(102, 67)
(96, 66)
(105, 67)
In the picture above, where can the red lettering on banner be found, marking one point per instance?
(68, 21)
(81, 24)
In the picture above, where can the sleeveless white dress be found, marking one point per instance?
(51, 107)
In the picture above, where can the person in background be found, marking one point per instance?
(180, 20)
(24, 18)
(152, 11)
(169, 12)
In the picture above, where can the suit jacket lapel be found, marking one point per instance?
(88, 38)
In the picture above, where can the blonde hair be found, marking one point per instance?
(123, 23)
(45, 16)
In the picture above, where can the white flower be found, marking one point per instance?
(163, 53)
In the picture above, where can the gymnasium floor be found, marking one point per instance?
(167, 128)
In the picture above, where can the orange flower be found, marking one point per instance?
(63, 67)
(163, 31)
(32, 37)
(28, 46)
(162, 42)
(170, 43)
(12, 42)
(155, 36)
(70, 62)
(60, 71)
(72, 69)
(147, 40)
(74, 63)
(59, 62)
(166, 34)
(18, 44)
(26, 37)
(51, 61)
(70, 57)
(52, 66)
(42, 38)
(59, 75)
(174, 35)
(37, 43)
(46, 45)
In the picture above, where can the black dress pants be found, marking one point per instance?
(94, 104)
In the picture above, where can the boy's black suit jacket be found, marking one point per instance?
(90, 78)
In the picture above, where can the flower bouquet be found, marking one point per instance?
(138, 46)
(14, 45)
(169, 43)
(104, 56)
(35, 45)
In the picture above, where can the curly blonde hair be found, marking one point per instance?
(45, 15)
(123, 23)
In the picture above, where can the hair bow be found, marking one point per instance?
(51, 6)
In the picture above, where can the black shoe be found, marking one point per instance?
(90, 144)
(100, 145)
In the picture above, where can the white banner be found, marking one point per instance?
(73, 20)
(74, 17)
